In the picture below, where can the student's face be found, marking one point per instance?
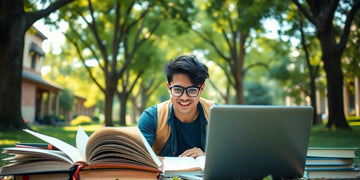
(184, 106)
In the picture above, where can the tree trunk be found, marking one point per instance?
(331, 56)
(109, 99)
(239, 89)
(335, 80)
(12, 30)
(313, 71)
(122, 99)
(134, 109)
(239, 85)
(316, 118)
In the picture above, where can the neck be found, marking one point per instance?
(187, 118)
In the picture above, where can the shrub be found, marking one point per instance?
(95, 119)
(52, 120)
(81, 120)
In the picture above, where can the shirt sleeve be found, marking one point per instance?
(148, 123)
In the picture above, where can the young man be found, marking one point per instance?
(177, 127)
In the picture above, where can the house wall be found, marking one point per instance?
(32, 38)
(28, 101)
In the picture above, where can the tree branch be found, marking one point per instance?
(213, 45)
(217, 89)
(304, 11)
(349, 19)
(34, 16)
(244, 71)
(83, 62)
(94, 29)
(116, 40)
(86, 45)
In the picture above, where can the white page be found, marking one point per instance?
(179, 163)
(68, 149)
(81, 141)
(152, 153)
(56, 154)
(201, 161)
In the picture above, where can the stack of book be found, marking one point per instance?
(332, 163)
(109, 153)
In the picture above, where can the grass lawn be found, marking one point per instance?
(319, 137)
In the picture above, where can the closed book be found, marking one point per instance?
(332, 167)
(335, 152)
(332, 174)
(323, 161)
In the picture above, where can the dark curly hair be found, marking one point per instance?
(187, 64)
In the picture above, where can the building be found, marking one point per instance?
(351, 100)
(39, 97)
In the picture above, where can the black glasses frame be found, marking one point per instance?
(184, 89)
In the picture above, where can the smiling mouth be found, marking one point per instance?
(185, 104)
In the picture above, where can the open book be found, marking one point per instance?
(177, 166)
(106, 148)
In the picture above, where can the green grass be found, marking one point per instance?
(65, 133)
(319, 137)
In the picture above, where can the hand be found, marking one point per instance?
(193, 152)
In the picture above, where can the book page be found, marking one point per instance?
(152, 153)
(68, 149)
(31, 154)
(180, 164)
(129, 137)
(201, 161)
(81, 141)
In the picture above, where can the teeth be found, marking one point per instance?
(182, 103)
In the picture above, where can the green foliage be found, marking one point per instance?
(351, 61)
(268, 61)
(66, 100)
(257, 94)
(81, 120)
(63, 69)
(353, 118)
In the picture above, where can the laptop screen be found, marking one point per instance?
(257, 141)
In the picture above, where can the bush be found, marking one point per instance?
(81, 120)
(52, 120)
(95, 119)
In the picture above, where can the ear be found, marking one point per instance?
(168, 86)
(202, 87)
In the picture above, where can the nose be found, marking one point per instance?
(185, 95)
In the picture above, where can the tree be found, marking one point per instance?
(63, 69)
(313, 70)
(228, 33)
(15, 20)
(351, 62)
(258, 94)
(128, 26)
(66, 103)
(303, 30)
(333, 41)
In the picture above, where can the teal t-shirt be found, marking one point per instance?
(188, 135)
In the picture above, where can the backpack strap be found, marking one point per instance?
(162, 129)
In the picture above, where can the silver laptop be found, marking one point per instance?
(256, 141)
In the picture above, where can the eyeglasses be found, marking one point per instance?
(191, 91)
